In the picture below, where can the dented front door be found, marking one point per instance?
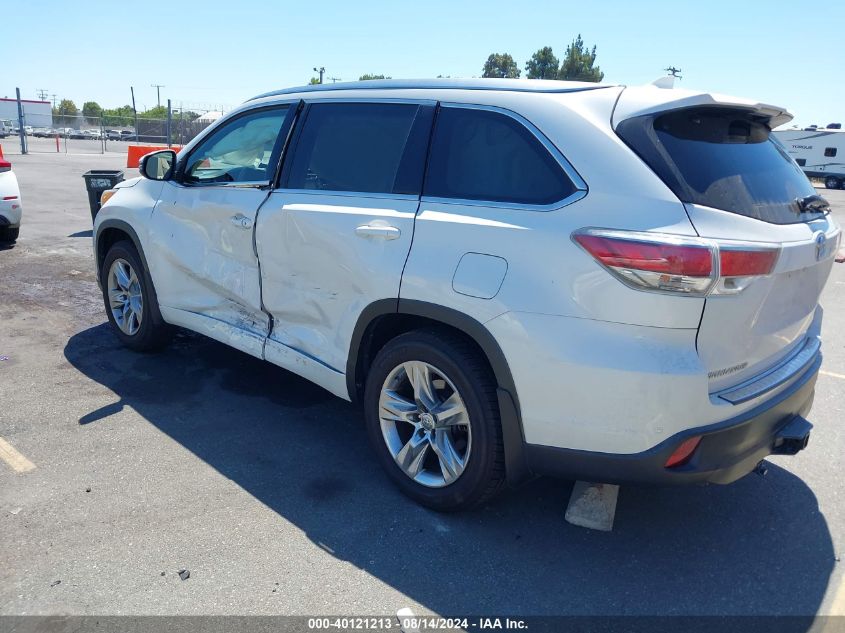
(203, 258)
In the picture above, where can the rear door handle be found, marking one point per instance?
(241, 221)
(375, 230)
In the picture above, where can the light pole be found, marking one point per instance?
(320, 70)
(158, 88)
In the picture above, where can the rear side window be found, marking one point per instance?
(830, 152)
(722, 158)
(361, 147)
(485, 155)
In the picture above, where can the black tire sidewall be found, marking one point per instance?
(150, 333)
(475, 480)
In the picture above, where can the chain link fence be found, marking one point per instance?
(77, 134)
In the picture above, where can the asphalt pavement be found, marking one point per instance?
(263, 487)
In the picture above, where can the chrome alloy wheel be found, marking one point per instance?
(425, 424)
(126, 300)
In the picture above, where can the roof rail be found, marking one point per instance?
(513, 85)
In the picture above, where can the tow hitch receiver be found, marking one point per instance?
(793, 437)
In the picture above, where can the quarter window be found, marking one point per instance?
(239, 151)
(830, 151)
(485, 155)
(361, 147)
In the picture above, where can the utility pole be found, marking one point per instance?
(335, 79)
(321, 70)
(54, 100)
(42, 92)
(158, 88)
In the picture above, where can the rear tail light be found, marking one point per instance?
(5, 165)
(683, 453)
(677, 264)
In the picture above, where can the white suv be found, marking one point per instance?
(515, 277)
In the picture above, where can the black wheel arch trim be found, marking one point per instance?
(509, 411)
(124, 226)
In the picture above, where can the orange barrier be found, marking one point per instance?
(1, 151)
(135, 152)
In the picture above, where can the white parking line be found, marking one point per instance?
(832, 375)
(10, 455)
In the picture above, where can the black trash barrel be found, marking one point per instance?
(96, 182)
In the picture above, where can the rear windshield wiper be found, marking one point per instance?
(812, 204)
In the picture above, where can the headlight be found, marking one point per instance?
(106, 196)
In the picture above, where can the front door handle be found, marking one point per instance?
(241, 221)
(377, 230)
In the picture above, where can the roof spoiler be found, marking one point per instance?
(658, 97)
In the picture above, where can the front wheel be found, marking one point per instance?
(129, 300)
(433, 419)
(832, 182)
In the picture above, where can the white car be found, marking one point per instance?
(514, 277)
(10, 203)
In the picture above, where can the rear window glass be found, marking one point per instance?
(484, 155)
(725, 159)
(358, 147)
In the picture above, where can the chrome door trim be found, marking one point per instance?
(348, 194)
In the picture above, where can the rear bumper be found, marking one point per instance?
(10, 213)
(728, 450)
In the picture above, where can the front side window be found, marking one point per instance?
(485, 155)
(360, 147)
(238, 151)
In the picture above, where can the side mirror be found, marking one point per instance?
(158, 165)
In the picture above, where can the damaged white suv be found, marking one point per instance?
(514, 277)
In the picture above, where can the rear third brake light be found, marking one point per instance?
(677, 264)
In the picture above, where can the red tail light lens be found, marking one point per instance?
(683, 453)
(652, 261)
(674, 259)
(661, 262)
(740, 263)
(5, 165)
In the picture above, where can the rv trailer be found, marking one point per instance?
(820, 152)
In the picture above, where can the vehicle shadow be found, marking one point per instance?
(760, 546)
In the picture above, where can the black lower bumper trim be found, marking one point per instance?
(728, 450)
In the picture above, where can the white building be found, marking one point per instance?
(35, 113)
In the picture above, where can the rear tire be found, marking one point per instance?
(441, 444)
(9, 235)
(832, 182)
(130, 302)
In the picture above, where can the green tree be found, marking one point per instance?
(66, 112)
(542, 65)
(578, 63)
(122, 116)
(91, 110)
(158, 112)
(314, 81)
(67, 108)
(500, 65)
(368, 76)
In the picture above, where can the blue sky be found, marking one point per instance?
(209, 53)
